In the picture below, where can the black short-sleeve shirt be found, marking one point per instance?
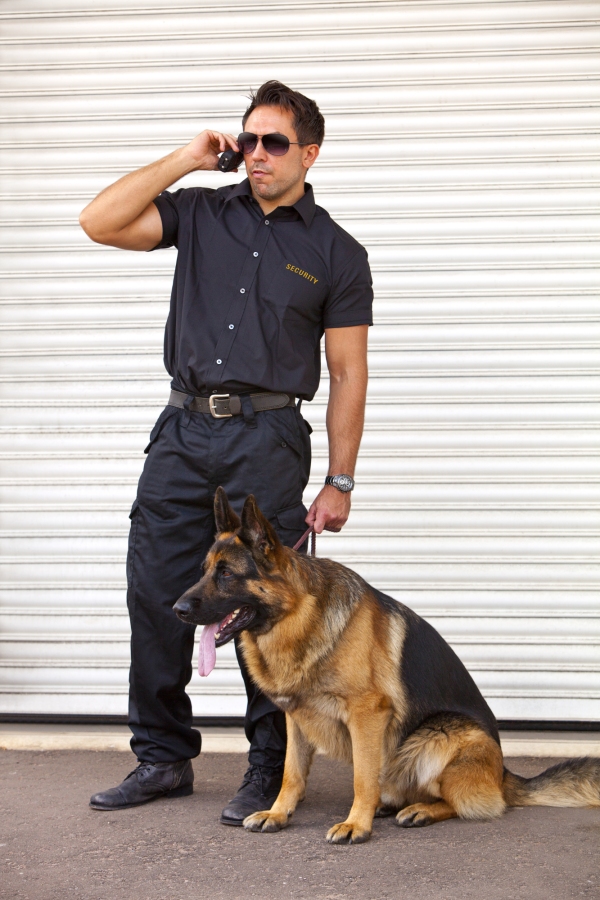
(253, 293)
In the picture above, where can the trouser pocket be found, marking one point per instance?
(129, 565)
(290, 453)
(290, 524)
(166, 414)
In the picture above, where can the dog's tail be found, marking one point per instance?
(575, 782)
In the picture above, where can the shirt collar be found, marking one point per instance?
(305, 206)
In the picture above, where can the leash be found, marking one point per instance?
(313, 541)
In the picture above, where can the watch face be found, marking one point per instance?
(344, 482)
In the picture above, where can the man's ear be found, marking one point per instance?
(225, 518)
(257, 532)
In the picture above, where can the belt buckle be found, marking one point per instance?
(212, 407)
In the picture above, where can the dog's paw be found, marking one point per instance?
(348, 833)
(266, 821)
(415, 816)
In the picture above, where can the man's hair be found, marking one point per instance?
(308, 123)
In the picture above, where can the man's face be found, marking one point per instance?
(273, 176)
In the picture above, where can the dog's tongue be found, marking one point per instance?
(207, 655)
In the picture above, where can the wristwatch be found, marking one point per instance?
(343, 483)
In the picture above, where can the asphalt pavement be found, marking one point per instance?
(54, 847)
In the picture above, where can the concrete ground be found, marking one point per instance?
(53, 847)
(223, 739)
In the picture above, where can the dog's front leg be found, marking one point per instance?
(367, 725)
(298, 758)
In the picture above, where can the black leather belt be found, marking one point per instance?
(223, 406)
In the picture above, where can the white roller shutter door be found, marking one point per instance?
(462, 150)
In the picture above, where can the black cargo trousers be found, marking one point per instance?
(172, 527)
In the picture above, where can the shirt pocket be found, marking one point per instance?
(300, 297)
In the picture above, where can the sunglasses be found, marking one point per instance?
(274, 144)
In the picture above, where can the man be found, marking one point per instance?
(261, 273)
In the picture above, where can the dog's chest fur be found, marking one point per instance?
(291, 683)
(315, 679)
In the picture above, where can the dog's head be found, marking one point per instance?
(242, 585)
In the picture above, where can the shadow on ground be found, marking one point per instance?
(53, 847)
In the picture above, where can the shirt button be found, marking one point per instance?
(266, 221)
(219, 361)
(231, 327)
(255, 253)
(242, 290)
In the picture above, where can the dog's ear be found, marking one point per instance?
(226, 519)
(257, 532)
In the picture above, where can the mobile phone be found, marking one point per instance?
(230, 160)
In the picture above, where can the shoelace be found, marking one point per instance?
(141, 768)
(254, 775)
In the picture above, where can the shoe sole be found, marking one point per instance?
(183, 791)
(238, 823)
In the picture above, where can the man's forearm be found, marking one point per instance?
(119, 205)
(346, 352)
(345, 419)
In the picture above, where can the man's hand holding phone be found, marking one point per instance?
(206, 147)
(124, 214)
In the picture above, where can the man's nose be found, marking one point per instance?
(259, 152)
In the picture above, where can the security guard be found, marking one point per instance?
(261, 274)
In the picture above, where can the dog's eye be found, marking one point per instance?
(226, 573)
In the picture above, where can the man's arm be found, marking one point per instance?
(346, 352)
(123, 215)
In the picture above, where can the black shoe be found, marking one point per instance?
(258, 791)
(147, 782)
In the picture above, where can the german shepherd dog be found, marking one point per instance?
(363, 679)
